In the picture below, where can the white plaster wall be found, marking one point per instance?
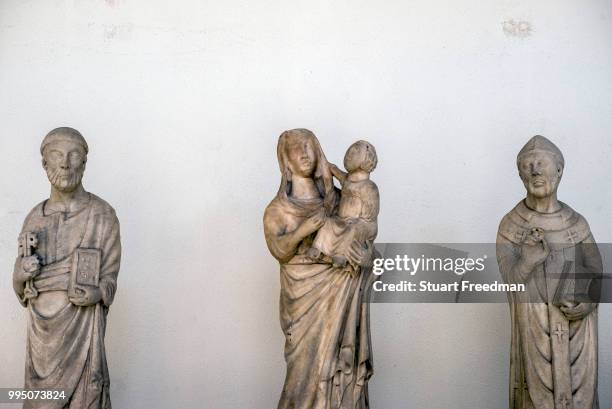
(182, 103)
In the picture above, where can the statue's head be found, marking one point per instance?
(300, 151)
(360, 156)
(64, 155)
(540, 165)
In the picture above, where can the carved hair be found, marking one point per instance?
(64, 133)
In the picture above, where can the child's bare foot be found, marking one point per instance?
(314, 253)
(339, 261)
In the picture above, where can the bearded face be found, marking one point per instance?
(64, 162)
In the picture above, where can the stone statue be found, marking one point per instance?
(66, 277)
(546, 245)
(357, 211)
(323, 288)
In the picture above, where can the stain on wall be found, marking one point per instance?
(517, 28)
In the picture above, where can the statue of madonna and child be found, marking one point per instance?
(323, 240)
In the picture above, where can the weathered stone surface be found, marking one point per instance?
(546, 245)
(323, 240)
(66, 277)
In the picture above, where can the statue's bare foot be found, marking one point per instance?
(339, 261)
(314, 253)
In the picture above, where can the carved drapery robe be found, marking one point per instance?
(65, 347)
(553, 362)
(325, 322)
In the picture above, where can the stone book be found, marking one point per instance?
(85, 269)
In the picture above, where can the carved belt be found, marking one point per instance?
(55, 276)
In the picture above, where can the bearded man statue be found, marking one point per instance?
(66, 277)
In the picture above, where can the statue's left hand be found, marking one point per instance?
(578, 311)
(88, 295)
(358, 255)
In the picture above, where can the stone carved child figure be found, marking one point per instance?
(356, 219)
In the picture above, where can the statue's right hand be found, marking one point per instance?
(29, 267)
(314, 222)
(534, 252)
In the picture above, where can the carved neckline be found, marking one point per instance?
(67, 215)
(556, 213)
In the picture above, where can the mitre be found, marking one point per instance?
(541, 144)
